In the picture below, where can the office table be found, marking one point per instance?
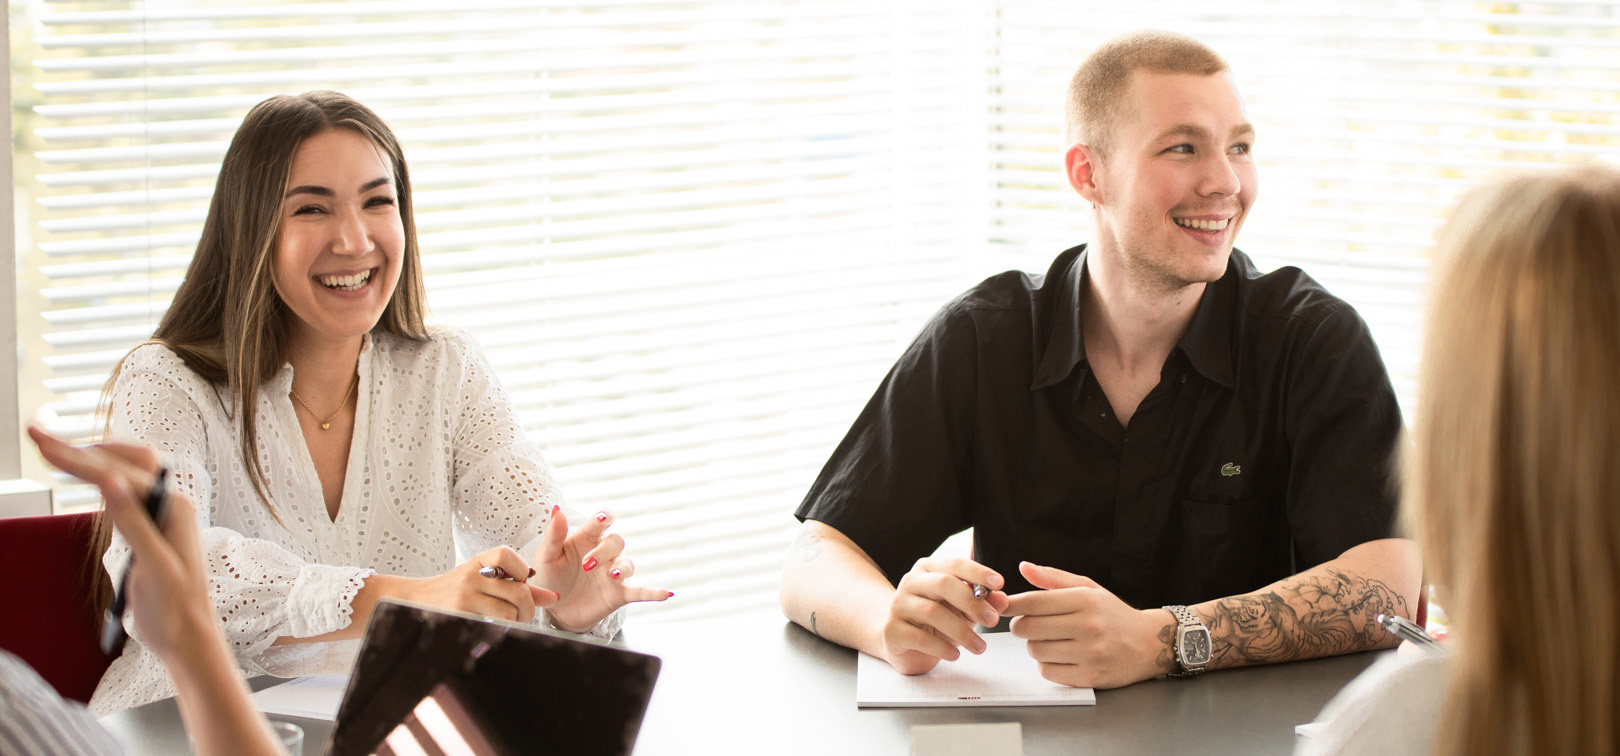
(763, 685)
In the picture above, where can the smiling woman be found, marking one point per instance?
(306, 293)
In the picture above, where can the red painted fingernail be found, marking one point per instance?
(531, 572)
(615, 573)
(590, 564)
(555, 508)
(671, 594)
(601, 516)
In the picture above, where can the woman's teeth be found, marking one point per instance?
(1204, 225)
(346, 283)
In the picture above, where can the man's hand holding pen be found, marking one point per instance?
(934, 611)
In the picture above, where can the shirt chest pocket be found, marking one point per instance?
(1231, 519)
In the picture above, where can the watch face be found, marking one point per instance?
(1194, 647)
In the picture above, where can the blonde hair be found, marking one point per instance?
(1095, 92)
(1513, 480)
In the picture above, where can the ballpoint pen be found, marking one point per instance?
(1408, 630)
(499, 574)
(112, 624)
(979, 591)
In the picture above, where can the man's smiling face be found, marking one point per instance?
(1178, 180)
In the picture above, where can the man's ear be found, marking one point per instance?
(1080, 164)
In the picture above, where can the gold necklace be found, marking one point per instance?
(326, 422)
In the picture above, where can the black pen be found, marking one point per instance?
(112, 625)
(1409, 631)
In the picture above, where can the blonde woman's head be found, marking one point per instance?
(1513, 480)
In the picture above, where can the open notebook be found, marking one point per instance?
(499, 686)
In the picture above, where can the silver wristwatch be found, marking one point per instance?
(1192, 642)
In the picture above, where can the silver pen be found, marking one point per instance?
(1409, 631)
(979, 591)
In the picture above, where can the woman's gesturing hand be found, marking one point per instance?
(168, 591)
(587, 569)
(464, 589)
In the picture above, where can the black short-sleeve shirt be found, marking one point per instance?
(1265, 449)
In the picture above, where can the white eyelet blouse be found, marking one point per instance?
(439, 471)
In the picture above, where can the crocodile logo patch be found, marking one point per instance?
(1229, 469)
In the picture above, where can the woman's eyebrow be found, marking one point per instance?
(326, 192)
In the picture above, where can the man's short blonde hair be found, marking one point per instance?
(1094, 100)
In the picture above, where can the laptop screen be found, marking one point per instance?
(525, 690)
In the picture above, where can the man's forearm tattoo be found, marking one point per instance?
(1166, 661)
(1304, 618)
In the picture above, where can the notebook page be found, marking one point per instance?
(1004, 675)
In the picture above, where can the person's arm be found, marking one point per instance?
(462, 589)
(833, 589)
(892, 491)
(1327, 610)
(1085, 636)
(168, 596)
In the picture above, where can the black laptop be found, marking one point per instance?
(459, 683)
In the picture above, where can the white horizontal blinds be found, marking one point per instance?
(685, 233)
(1371, 118)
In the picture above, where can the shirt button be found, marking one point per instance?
(1183, 377)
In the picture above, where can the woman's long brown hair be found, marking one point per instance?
(1513, 479)
(225, 321)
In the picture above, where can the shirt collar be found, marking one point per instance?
(1057, 313)
(1210, 340)
(1208, 343)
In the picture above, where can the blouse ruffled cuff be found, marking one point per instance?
(322, 599)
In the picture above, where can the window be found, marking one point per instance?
(693, 234)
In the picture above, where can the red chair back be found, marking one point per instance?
(44, 614)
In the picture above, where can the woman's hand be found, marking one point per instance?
(168, 591)
(464, 589)
(588, 571)
(168, 594)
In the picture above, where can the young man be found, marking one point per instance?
(1171, 462)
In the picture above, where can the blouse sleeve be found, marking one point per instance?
(503, 490)
(259, 589)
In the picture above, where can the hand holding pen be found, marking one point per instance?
(486, 584)
(934, 610)
(166, 591)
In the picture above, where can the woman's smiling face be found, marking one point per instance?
(339, 248)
